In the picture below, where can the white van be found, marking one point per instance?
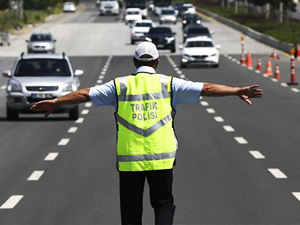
(109, 7)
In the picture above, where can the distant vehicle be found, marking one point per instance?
(158, 4)
(37, 77)
(167, 15)
(141, 4)
(132, 14)
(190, 19)
(162, 37)
(69, 7)
(195, 30)
(188, 8)
(109, 7)
(140, 29)
(178, 8)
(41, 42)
(199, 50)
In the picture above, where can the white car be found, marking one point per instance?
(167, 15)
(199, 50)
(140, 29)
(188, 8)
(69, 7)
(109, 7)
(132, 14)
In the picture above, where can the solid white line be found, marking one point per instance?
(3, 87)
(99, 81)
(277, 173)
(80, 120)
(51, 156)
(295, 90)
(88, 104)
(11, 202)
(63, 141)
(228, 128)
(72, 130)
(219, 119)
(284, 84)
(85, 112)
(257, 154)
(241, 140)
(210, 110)
(297, 195)
(36, 175)
(204, 103)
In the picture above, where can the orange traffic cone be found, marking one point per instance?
(259, 65)
(249, 61)
(277, 72)
(269, 71)
(274, 55)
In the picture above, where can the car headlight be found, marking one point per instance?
(148, 39)
(69, 87)
(170, 39)
(14, 86)
(184, 21)
(133, 32)
(198, 21)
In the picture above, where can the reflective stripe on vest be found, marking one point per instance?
(146, 157)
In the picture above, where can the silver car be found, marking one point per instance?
(41, 42)
(37, 77)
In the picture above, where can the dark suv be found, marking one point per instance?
(190, 19)
(162, 37)
(195, 30)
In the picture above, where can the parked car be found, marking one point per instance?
(41, 42)
(69, 7)
(167, 15)
(195, 30)
(108, 7)
(132, 14)
(190, 19)
(162, 37)
(140, 29)
(37, 77)
(199, 50)
(188, 8)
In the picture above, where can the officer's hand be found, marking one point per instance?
(245, 93)
(47, 105)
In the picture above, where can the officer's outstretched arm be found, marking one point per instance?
(72, 98)
(245, 93)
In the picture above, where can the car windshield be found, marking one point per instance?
(133, 13)
(203, 44)
(40, 37)
(198, 31)
(167, 12)
(42, 68)
(190, 17)
(160, 31)
(143, 25)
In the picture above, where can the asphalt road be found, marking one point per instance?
(236, 164)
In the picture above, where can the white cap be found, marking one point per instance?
(146, 48)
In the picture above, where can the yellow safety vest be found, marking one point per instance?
(146, 138)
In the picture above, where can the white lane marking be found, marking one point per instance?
(265, 75)
(3, 87)
(204, 103)
(63, 141)
(85, 111)
(72, 130)
(277, 173)
(88, 104)
(233, 59)
(51, 156)
(99, 81)
(210, 110)
(182, 76)
(297, 195)
(11, 202)
(101, 77)
(36, 175)
(228, 128)
(179, 72)
(274, 80)
(284, 84)
(257, 71)
(241, 140)
(80, 120)
(295, 90)
(219, 119)
(104, 69)
(176, 69)
(257, 154)
(103, 72)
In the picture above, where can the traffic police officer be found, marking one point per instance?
(145, 104)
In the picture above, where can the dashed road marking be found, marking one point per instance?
(99, 81)
(51, 156)
(257, 71)
(182, 76)
(241, 140)
(277, 173)
(210, 110)
(103, 72)
(179, 72)
(36, 175)
(295, 90)
(72, 130)
(284, 84)
(256, 154)
(63, 141)
(101, 77)
(274, 80)
(11, 202)
(228, 128)
(3, 87)
(219, 119)
(88, 104)
(297, 195)
(85, 111)
(204, 103)
(80, 120)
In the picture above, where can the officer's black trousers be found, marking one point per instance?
(161, 198)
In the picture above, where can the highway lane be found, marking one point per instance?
(216, 179)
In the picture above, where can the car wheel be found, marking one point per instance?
(216, 66)
(74, 113)
(132, 42)
(11, 114)
(173, 50)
